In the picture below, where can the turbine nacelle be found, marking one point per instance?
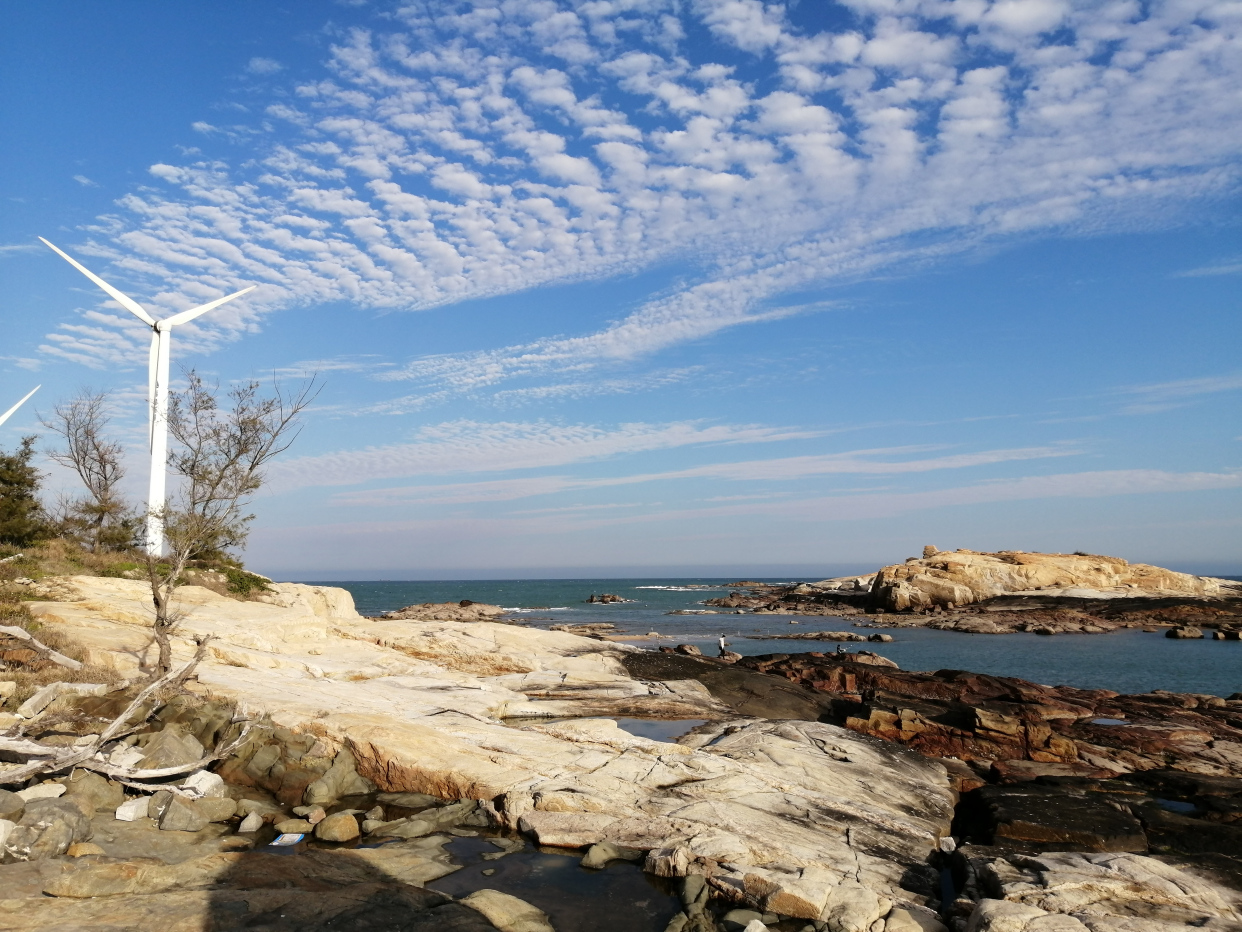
(157, 386)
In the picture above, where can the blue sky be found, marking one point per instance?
(650, 286)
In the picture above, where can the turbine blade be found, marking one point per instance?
(9, 413)
(187, 316)
(123, 299)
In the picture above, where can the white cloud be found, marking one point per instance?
(1163, 396)
(16, 248)
(259, 65)
(85, 182)
(1224, 268)
(491, 149)
(857, 462)
(471, 446)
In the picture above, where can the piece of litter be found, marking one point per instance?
(287, 839)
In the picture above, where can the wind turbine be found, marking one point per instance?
(9, 413)
(157, 390)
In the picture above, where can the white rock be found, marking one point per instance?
(7, 689)
(566, 829)
(905, 920)
(45, 696)
(508, 913)
(132, 809)
(126, 756)
(1047, 892)
(205, 784)
(43, 791)
(6, 829)
(755, 926)
(252, 823)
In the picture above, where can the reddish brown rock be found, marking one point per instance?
(1021, 729)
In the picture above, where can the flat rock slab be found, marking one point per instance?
(1097, 892)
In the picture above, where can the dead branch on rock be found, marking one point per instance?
(136, 777)
(39, 647)
(63, 758)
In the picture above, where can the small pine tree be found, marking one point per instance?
(21, 514)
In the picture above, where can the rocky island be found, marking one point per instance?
(812, 792)
(997, 593)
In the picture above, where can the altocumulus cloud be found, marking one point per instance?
(497, 146)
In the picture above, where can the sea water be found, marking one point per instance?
(1129, 661)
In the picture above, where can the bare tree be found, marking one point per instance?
(220, 454)
(106, 518)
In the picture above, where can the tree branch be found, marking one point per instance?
(39, 647)
(63, 758)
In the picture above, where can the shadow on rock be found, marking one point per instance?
(303, 889)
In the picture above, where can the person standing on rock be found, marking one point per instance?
(723, 650)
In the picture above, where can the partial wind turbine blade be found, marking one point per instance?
(123, 299)
(187, 316)
(9, 413)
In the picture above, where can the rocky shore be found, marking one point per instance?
(998, 593)
(816, 793)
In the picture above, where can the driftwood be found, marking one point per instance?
(16, 556)
(39, 647)
(134, 778)
(52, 759)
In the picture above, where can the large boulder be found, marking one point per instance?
(46, 830)
(962, 577)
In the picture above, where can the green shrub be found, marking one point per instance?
(243, 583)
(118, 570)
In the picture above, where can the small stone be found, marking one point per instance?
(488, 871)
(294, 827)
(376, 814)
(170, 748)
(205, 784)
(181, 815)
(233, 843)
(337, 827)
(316, 815)
(158, 803)
(82, 848)
(598, 855)
(133, 809)
(216, 810)
(11, 805)
(739, 920)
(370, 825)
(267, 812)
(6, 829)
(94, 791)
(43, 791)
(252, 823)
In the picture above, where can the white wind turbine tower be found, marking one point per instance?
(157, 390)
(9, 413)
